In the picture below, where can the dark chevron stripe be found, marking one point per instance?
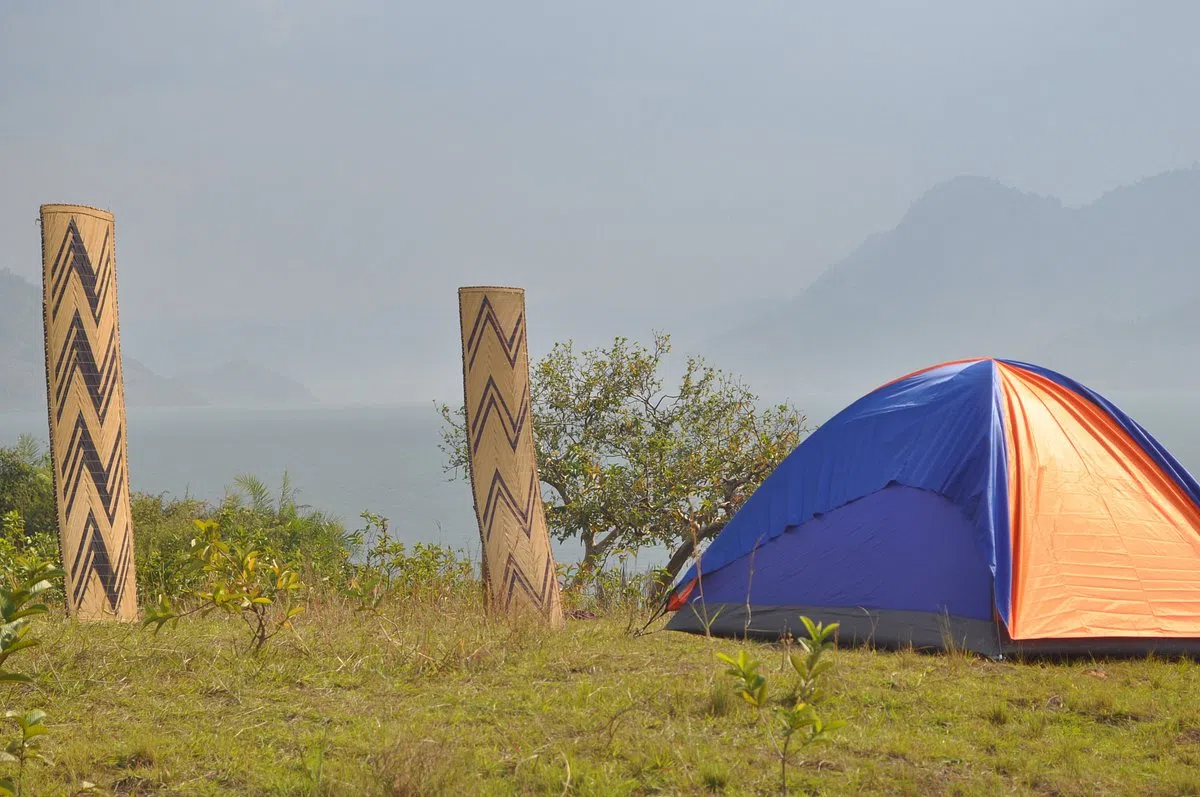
(513, 578)
(73, 258)
(499, 495)
(485, 318)
(100, 381)
(491, 401)
(93, 556)
(82, 455)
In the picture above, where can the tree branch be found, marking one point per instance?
(683, 553)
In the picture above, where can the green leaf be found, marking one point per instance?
(760, 693)
(21, 644)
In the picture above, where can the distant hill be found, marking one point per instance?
(22, 370)
(243, 384)
(22, 357)
(1105, 293)
(23, 374)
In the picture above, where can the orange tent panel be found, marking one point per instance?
(1104, 543)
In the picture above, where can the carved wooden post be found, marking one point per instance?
(86, 403)
(518, 564)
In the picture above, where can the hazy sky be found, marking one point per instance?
(277, 161)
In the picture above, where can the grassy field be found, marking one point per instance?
(430, 699)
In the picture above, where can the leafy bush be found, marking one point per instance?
(27, 487)
(28, 580)
(163, 531)
(239, 580)
(609, 588)
(317, 543)
(314, 544)
(797, 717)
(28, 517)
(19, 548)
(429, 573)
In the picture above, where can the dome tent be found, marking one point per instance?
(991, 505)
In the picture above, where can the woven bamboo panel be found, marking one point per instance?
(86, 402)
(518, 564)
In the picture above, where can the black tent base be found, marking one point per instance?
(1103, 648)
(902, 630)
(885, 629)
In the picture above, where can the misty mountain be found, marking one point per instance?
(22, 357)
(376, 357)
(23, 374)
(22, 368)
(240, 383)
(1104, 293)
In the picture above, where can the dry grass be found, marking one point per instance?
(433, 699)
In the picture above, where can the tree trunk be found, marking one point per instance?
(680, 558)
(593, 554)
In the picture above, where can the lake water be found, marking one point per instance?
(386, 459)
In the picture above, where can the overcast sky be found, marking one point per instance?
(330, 159)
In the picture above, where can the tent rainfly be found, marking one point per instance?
(984, 504)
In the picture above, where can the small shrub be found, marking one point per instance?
(607, 589)
(162, 543)
(27, 488)
(428, 574)
(237, 581)
(21, 548)
(808, 662)
(747, 681)
(798, 719)
(28, 581)
(316, 546)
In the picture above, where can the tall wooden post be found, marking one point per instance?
(86, 403)
(518, 564)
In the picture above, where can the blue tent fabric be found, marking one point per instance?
(836, 560)
(939, 431)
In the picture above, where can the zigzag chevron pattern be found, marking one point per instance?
(485, 320)
(73, 258)
(105, 478)
(77, 359)
(92, 554)
(514, 578)
(492, 403)
(86, 404)
(512, 522)
(500, 497)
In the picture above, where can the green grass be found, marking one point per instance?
(432, 699)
